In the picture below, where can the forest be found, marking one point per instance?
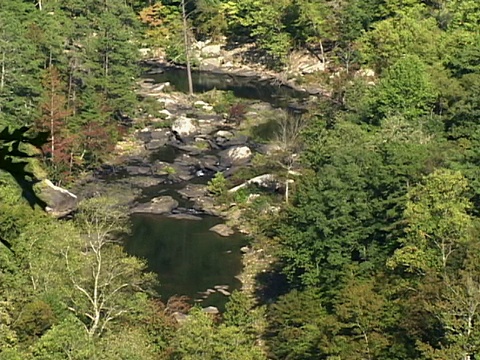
(377, 251)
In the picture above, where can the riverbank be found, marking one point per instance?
(186, 143)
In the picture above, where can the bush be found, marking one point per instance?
(218, 187)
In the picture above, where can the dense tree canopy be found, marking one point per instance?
(378, 241)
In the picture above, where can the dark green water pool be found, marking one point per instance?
(241, 86)
(187, 257)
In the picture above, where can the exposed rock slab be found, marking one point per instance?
(60, 201)
(222, 230)
(185, 217)
(191, 191)
(265, 181)
(158, 205)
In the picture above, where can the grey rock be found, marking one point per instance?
(161, 135)
(158, 205)
(60, 201)
(211, 310)
(192, 191)
(138, 170)
(154, 144)
(142, 181)
(209, 162)
(185, 217)
(211, 63)
(213, 50)
(224, 292)
(237, 140)
(179, 317)
(222, 230)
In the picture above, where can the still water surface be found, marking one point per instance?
(187, 257)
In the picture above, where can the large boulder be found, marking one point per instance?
(222, 230)
(158, 205)
(214, 50)
(268, 181)
(192, 191)
(158, 139)
(60, 201)
(236, 155)
(184, 126)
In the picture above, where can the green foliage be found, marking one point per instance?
(13, 148)
(218, 186)
(365, 317)
(103, 295)
(221, 101)
(406, 33)
(200, 338)
(405, 90)
(438, 223)
(67, 339)
(241, 311)
(165, 29)
(211, 18)
(300, 327)
(35, 318)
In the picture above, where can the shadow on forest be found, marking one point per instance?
(271, 284)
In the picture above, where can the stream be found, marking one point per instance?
(188, 258)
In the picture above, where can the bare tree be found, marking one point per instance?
(288, 135)
(103, 276)
(187, 49)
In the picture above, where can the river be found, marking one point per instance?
(188, 258)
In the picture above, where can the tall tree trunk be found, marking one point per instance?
(187, 49)
(2, 76)
(287, 190)
(52, 117)
(322, 52)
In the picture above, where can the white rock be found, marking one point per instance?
(161, 87)
(166, 112)
(224, 134)
(145, 51)
(319, 66)
(184, 126)
(265, 181)
(224, 292)
(239, 153)
(166, 101)
(200, 103)
(366, 72)
(224, 287)
(199, 44)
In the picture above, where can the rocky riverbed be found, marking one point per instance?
(161, 172)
